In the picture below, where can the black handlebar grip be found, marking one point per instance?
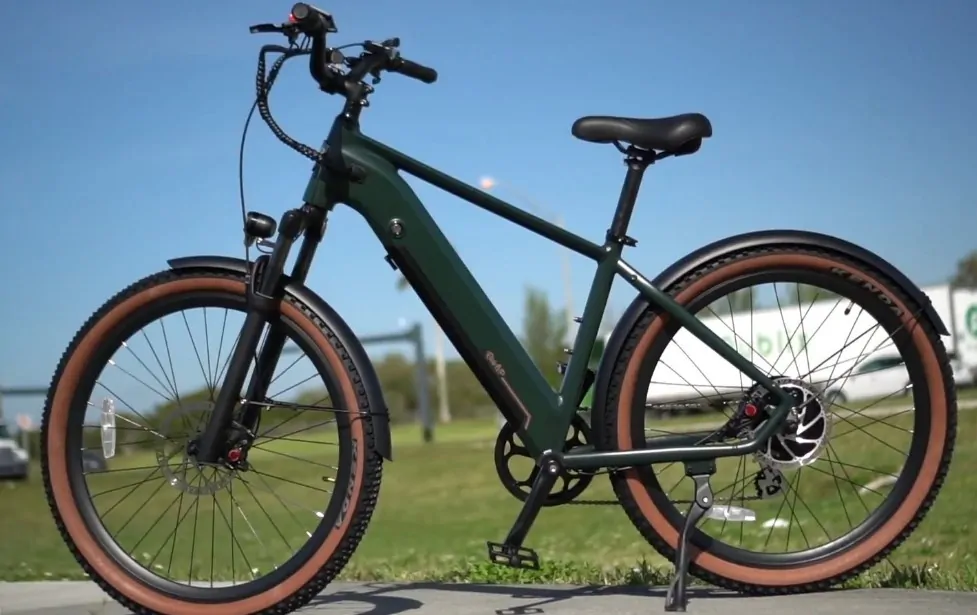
(415, 70)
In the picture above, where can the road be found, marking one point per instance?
(80, 598)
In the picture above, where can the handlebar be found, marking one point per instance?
(413, 70)
(316, 23)
(326, 66)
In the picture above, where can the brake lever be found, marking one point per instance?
(387, 47)
(290, 31)
(267, 28)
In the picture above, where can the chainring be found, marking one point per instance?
(508, 445)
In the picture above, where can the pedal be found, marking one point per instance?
(513, 556)
(511, 552)
(700, 472)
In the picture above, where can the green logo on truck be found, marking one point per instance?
(971, 320)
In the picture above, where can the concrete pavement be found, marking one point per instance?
(80, 598)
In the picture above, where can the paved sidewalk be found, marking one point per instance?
(80, 598)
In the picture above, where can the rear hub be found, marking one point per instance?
(802, 438)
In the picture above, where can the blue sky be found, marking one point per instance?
(121, 124)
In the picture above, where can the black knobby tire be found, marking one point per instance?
(659, 520)
(330, 546)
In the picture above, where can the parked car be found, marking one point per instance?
(886, 376)
(14, 461)
(880, 376)
(93, 461)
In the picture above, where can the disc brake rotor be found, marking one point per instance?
(802, 441)
(179, 426)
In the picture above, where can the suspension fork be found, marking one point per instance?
(264, 293)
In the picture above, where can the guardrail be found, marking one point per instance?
(413, 335)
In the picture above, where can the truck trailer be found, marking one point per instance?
(830, 343)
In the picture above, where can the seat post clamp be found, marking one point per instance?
(624, 240)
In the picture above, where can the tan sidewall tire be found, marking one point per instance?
(644, 512)
(87, 547)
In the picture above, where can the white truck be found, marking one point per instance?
(689, 372)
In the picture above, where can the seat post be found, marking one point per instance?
(625, 204)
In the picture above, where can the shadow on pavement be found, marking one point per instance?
(375, 595)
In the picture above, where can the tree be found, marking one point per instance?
(544, 331)
(966, 274)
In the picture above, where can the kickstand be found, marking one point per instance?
(676, 599)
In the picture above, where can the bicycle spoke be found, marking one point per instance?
(196, 353)
(798, 314)
(157, 505)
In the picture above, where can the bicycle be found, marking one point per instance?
(780, 422)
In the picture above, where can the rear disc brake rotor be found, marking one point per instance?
(802, 441)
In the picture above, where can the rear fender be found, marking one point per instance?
(371, 383)
(717, 250)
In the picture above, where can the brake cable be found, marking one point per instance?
(263, 86)
(264, 81)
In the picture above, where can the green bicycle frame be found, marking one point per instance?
(364, 174)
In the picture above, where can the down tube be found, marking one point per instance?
(456, 300)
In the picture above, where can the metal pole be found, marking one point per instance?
(414, 336)
(953, 318)
(25, 442)
(440, 368)
(488, 183)
(567, 285)
(423, 401)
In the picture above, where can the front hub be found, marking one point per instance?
(175, 454)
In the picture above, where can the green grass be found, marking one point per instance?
(440, 502)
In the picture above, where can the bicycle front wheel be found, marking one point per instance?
(859, 464)
(163, 534)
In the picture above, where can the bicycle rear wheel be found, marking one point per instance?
(160, 533)
(841, 452)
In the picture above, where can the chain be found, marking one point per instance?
(595, 503)
(732, 500)
(745, 498)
